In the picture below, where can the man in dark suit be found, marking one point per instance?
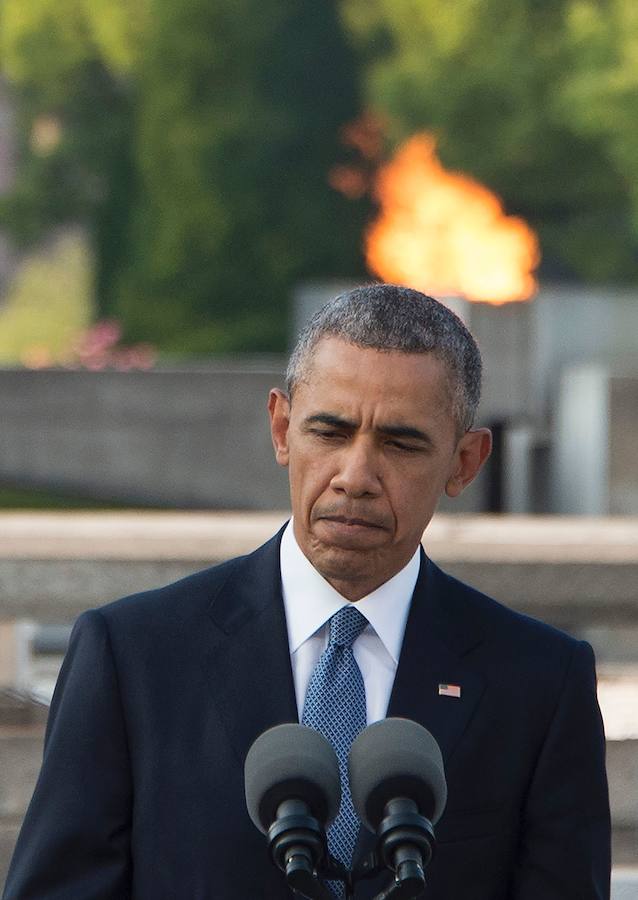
(162, 694)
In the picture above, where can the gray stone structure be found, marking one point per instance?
(595, 437)
(188, 438)
(561, 382)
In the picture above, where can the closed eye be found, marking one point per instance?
(328, 435)
(406, 448)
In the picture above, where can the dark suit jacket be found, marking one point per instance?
(161, 695)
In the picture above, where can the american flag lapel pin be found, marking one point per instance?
(450, 690)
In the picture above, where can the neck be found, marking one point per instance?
(355, 589)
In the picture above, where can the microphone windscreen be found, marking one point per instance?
(291, 762)
(396, 758)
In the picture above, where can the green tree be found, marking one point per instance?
(241, 105)
(71, 66)
(195, 140)
(598, 95)
(500, 83)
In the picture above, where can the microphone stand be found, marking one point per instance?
(405, 846)
(298, 848)
(305, 881)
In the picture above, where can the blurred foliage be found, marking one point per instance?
(599, 92)
(197, 141)
(71, 65)
(46, 316)
(99, 347)
(536, 99)
(45, 41)
(241, 104)
(48, 304)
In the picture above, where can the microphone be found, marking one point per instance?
(293, 792)
(399, 791)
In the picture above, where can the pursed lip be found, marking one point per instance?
(352, 521)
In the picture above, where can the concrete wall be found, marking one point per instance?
(623, 441)
(560, 381)
(594, 442)
(572, 325)
(580, 467)
(187, 438)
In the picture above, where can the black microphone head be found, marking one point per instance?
(396, 758)
(291, 762)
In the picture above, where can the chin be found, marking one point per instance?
(335, 562)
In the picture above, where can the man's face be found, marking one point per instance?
(370, 444)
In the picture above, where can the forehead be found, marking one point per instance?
(414, 384)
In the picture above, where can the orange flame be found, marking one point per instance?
(444, 233)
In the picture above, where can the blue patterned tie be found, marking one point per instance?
(335, 705)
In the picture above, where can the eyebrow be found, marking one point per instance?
(397, 431)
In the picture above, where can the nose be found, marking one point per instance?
(358, 472)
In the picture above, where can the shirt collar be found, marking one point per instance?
(310, 601)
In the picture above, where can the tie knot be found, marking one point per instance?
(346, 626)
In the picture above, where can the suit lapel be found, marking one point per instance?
(249, 669)
(438, 637)
(439, 633)
(249, 661)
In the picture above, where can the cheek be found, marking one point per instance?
(309, 478)
(414, 500)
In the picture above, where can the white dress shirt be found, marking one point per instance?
(310, 601)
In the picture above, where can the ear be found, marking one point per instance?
(279, 411)
(471, 453)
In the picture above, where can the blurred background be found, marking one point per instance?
(181, 185)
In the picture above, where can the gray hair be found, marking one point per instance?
(391, 317)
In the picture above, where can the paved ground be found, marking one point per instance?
(624, 884)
